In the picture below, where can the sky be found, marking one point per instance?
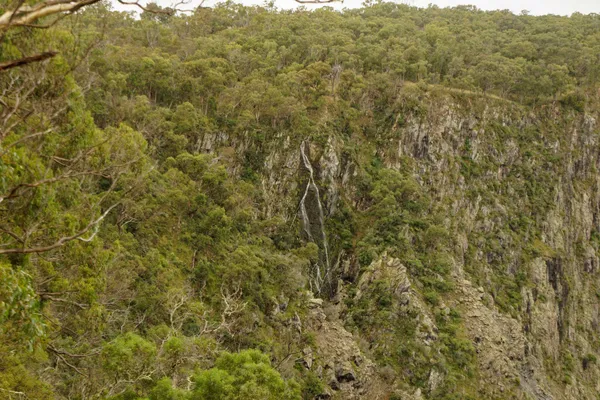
(535, 7)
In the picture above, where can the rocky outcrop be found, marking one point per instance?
(503, 354)
(337, 358)
(406, 299)
(519, 192)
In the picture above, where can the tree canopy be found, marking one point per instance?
(136, 262)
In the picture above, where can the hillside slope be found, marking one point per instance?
(246, 203)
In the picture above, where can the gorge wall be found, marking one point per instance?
(514, 194)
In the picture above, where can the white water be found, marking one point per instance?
(306, 220)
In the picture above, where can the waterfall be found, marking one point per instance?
(306, 221)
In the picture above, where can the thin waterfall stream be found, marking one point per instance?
(320, 276)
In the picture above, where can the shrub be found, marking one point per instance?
(244, 375)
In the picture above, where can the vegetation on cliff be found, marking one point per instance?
(140, 256)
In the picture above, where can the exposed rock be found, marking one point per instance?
(345, 373)
(394, 273)
(314, 303)
(435, 380)
(307, 357)
(520, 346)
(343, 366)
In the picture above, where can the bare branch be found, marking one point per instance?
(13, 192)
(93, 235)
(13, 392)
(27, 60)
(178, 302)
(60, 356)
(81, 306)
(62, 241)
(12, 234)
(19, 97)
(167, 11)
(10, 18)
(233, 306)
(24, 138)
(28, 15)
(66, 353)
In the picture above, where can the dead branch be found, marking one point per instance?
(61, 357)
(81, 306)
(15, 393)
(66, 353)
(233, 305)
(27, 60)
(24, 14)
(19, 96)
(167, 11)
(14, 191)
(177, 301)
(62, 241)
(12, 234)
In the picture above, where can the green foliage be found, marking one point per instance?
(403, 226)
(21, 321)
(574, 100)
(244, 375)
(460, 357)
(128, 355)
(164, 390)
(312, 386)
(21, 373)
(568, 366)
(185, 258)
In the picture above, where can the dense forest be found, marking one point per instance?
(159, 239)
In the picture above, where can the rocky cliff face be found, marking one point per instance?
(516, 190)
